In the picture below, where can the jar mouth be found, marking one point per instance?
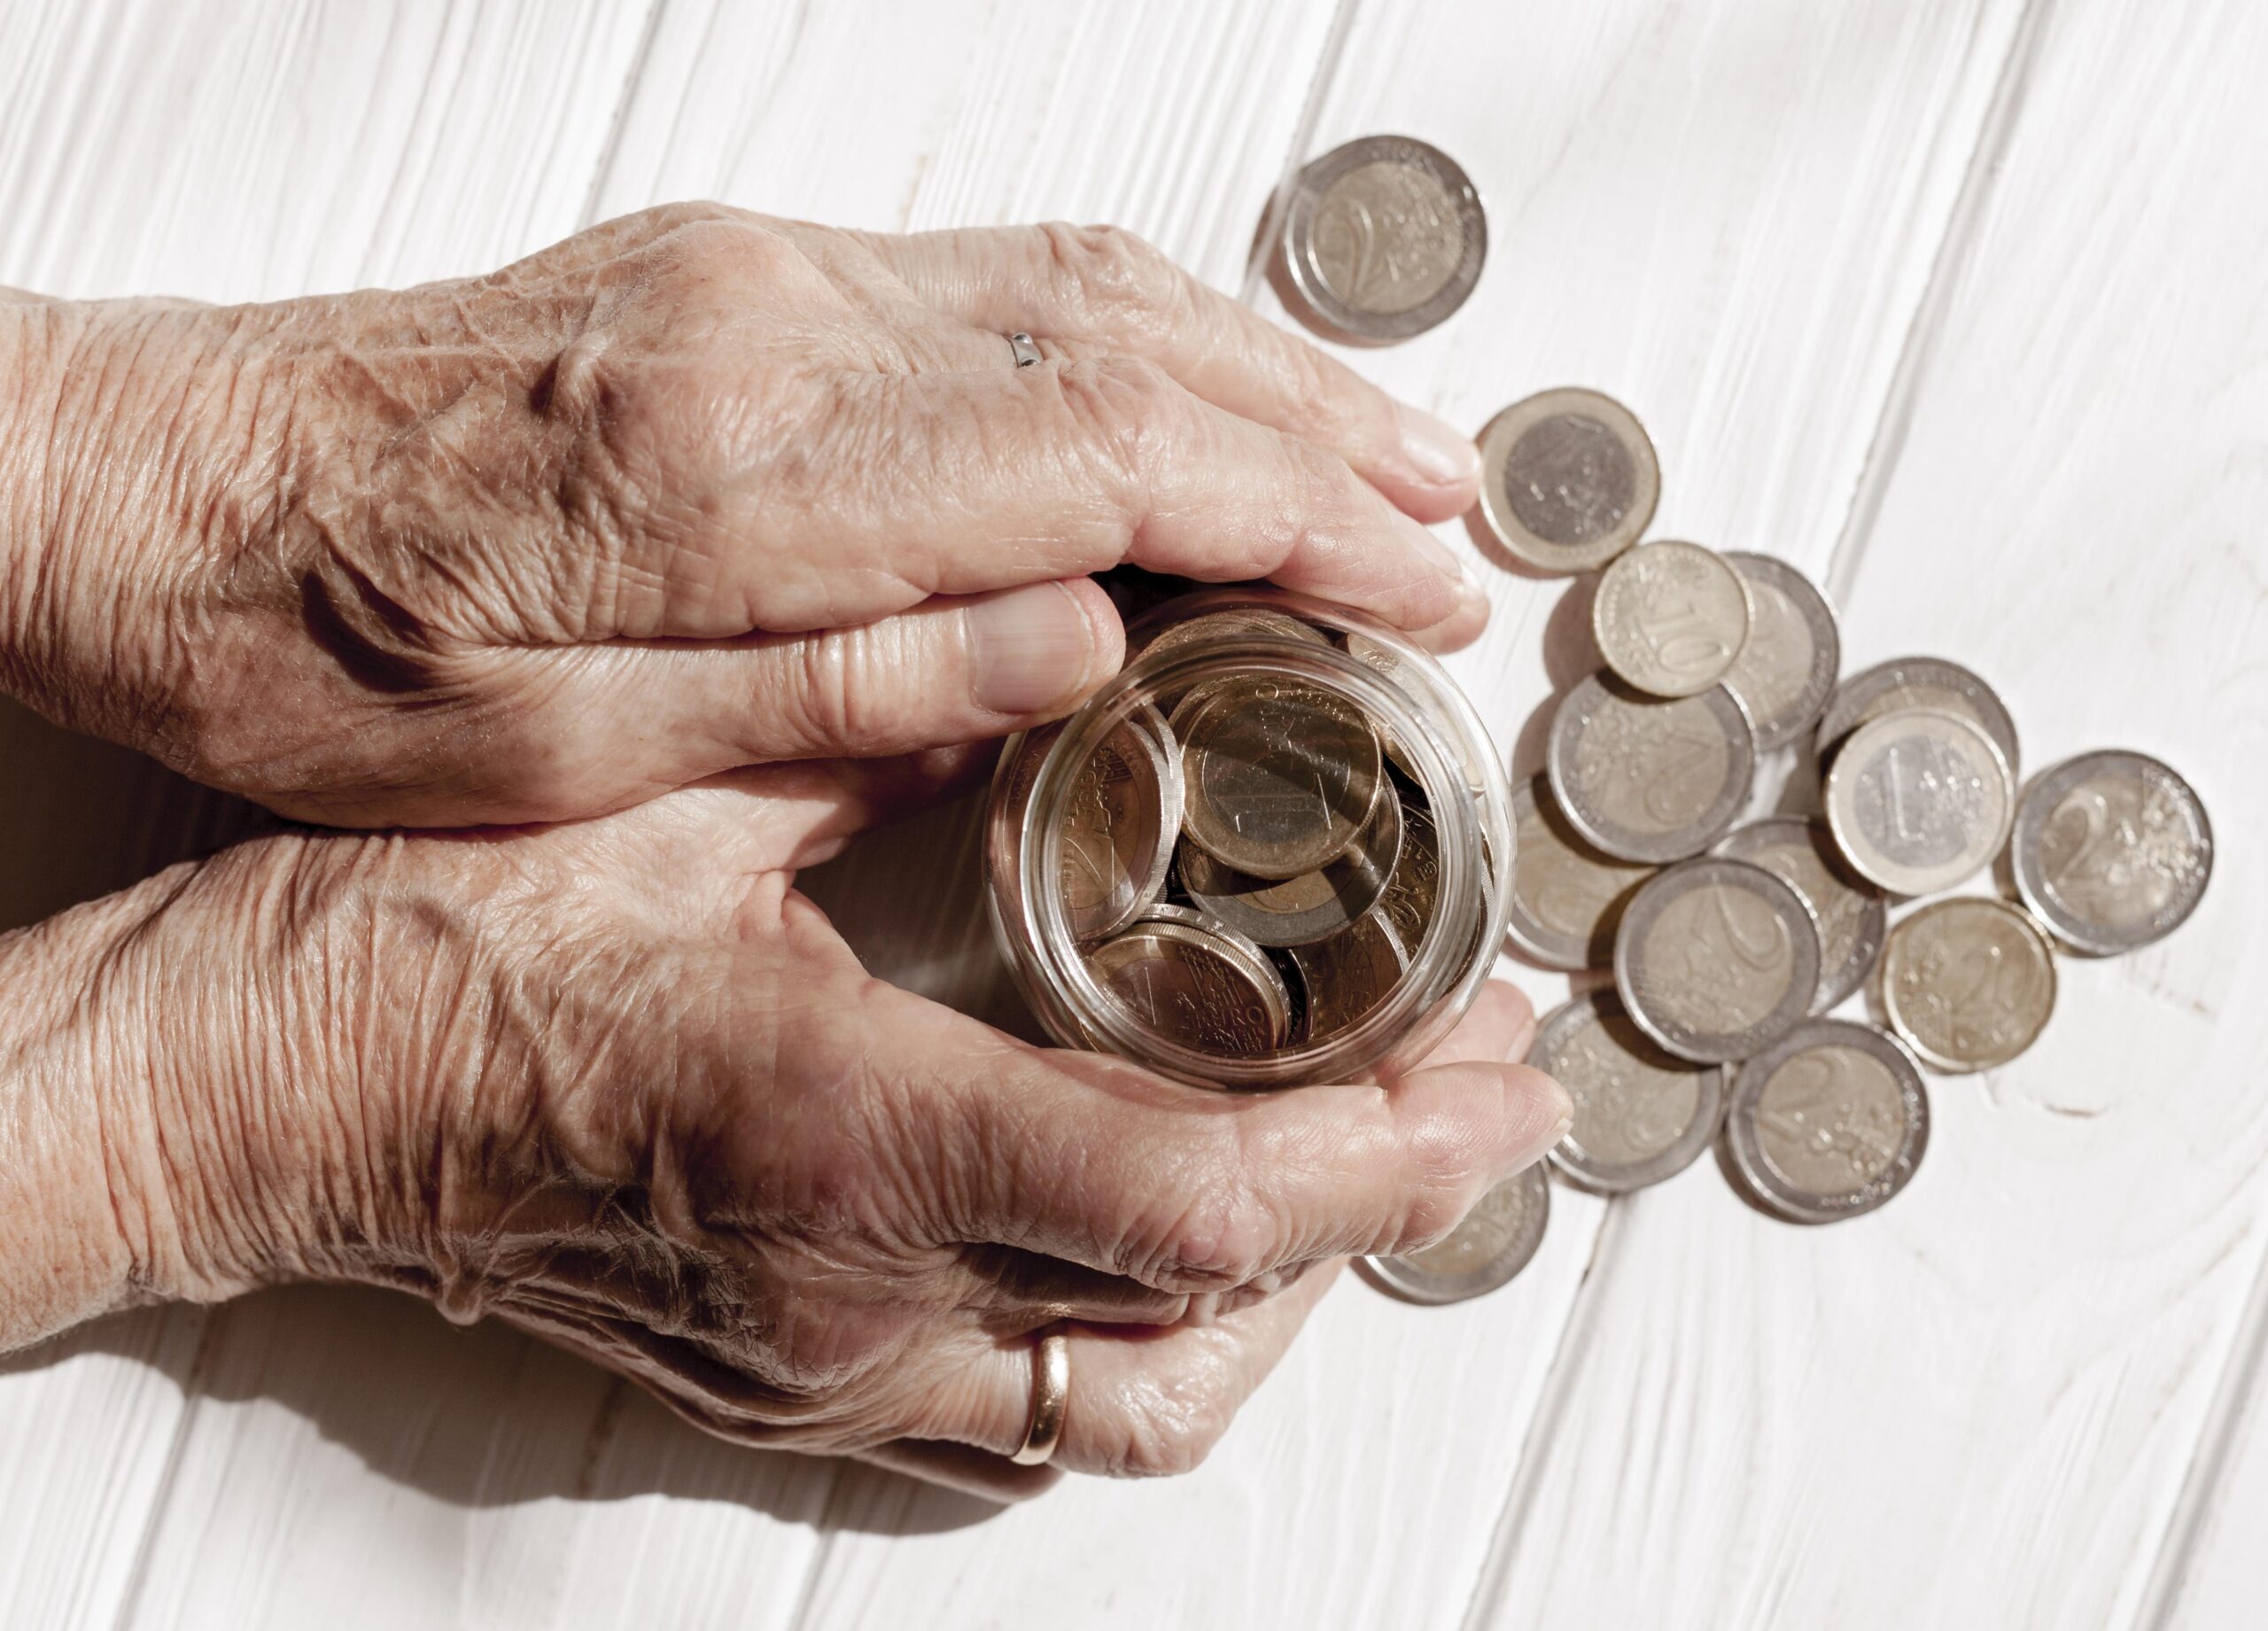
(1444, 970)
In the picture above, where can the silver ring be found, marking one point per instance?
(1051, 1398)
(1025, 352)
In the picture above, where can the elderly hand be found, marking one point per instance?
(617, 1083)
(691, 490)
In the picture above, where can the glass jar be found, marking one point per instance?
(1277, 848)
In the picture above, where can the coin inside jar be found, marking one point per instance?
(1918, 801)
(1204, 988)
(1413, 889)
(1349, 974)
(1497, 1240)
(1670, 618)
(2112, 850)
(1118, 823)
(1827, 1122)
(1569, 480)
(1229, 624)
(1853, 915)
(1384, 238)
(1716, 959)
(1567, 897)
(1277, 776)
(1907, 683)
(1648, 780)
(1313, 906)
(1641, 1115)
(1968, 984)
(1786, 672)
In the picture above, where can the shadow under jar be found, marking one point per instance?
(1276, 850)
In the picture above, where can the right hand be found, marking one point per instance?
(619, 1083)
(693, 490)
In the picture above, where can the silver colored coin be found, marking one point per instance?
(1569, 480)
(1173, 911)
(1350, 973)
(1641, 1115)
(2113, 849)
(1671, 618)
(1204, 988)
(1314, 905)
(1717, 959)
(1567, 897)
(1119, 818)
(1919, 800)
(1853, 917)
(1786, 672)
(1968, 984)
(1277, 776)
(1385, 237)
(1827, 1122)
(1646, 780)
(1497, 1240)
(1915, 682)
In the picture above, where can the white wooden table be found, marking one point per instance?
(1958, 304)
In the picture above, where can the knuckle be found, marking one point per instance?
(831, 689)
(1126, 410)
(1218, 1242)
(1118, 271)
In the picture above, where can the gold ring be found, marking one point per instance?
(1051, 1398)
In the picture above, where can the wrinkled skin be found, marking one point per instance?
(616, 1082)
(545, 543)
(602, 541)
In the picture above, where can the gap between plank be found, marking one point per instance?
(1887, 446)
(603, 171)
(2209, 1456)
(192, 1387)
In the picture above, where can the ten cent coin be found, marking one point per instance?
(1206, 989)
(1569, 480)
(1786, 672)
(1641, 1115)
(1851, 913)
(1968, 984)
(1919, 800)
(1350, 973)
(1670, 618)
(1496, 1241)
(1716, 959)
(1646, 780)
(1385, 238)
(2112, 850)
(1827, 1122)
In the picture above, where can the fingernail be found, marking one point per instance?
(1437, 450)
(1434, 549)
(1027, 649)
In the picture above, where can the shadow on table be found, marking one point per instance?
(480, 1418)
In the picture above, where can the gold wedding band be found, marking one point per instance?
(1051, 1398)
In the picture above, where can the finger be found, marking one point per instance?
(1143, 1404)
(958, 483)
(1020, 1292)
(1500, 1025)
(1096, 292)
(646, 716)
(964, 1469)
(1096, 1161)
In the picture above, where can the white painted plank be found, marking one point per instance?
(1730, 225)
(228, 151)
(1976, 1408)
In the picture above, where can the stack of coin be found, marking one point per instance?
(1251, 857)
(1729, 944)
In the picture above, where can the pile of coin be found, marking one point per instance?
(1250, 861)
(1730, 943)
